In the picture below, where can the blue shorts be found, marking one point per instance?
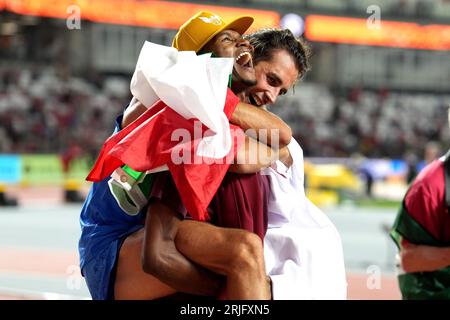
(104, 227)
(100, 272)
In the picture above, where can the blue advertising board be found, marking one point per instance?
(10, 168)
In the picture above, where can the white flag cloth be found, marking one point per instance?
(193, 86)
(302, 248)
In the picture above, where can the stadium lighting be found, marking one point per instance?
(293, 22)
(397, 34)
(143, 13)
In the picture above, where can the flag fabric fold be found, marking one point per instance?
(161, 136)
(185, 94)
(193, 86)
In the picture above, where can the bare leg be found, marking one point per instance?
(131, 281)
(236, 253)
(161, 259)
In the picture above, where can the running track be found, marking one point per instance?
(38, 257)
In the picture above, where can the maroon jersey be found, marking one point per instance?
(241, 201)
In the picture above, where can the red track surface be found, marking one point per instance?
(56, 263)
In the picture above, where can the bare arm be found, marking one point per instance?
(247, 117)
(423, 258)
(134, 110)
(161, 259)
(254, 156)
(236, 253)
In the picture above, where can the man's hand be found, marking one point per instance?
(253, 156)
(265, 125)
(422, 258)
(286, 157)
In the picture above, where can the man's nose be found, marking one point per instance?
(271, 96)
(245, 43)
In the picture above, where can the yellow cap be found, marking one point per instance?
(203, 26)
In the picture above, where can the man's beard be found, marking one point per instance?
(239, 88)
(241, 83)
(248, 83)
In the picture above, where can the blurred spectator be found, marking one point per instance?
(432, 152)
(411, 160)
(374, 123)
(46, 111)
(72, 152)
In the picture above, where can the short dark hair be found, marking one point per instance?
(266, 41)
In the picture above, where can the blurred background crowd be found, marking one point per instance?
(379, 93)
(45, 111)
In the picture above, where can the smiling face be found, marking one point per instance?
(274, 78)
(229, 43)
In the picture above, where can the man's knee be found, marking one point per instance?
(247, 252)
